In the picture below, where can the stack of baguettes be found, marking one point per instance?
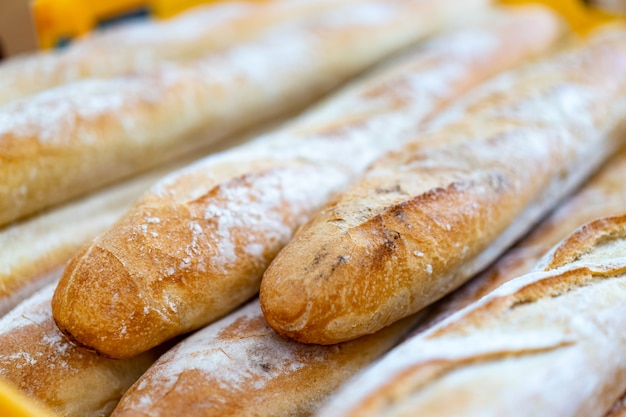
(68, 140)
(466, 177)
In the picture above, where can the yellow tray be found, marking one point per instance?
(15, 404)
(57, 21)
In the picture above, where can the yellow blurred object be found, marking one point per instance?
(169, 8)
(582, 17)
(14, 404)
(57, 21)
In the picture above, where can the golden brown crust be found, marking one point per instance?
(427, 217)
(195, 246)
(565, 322)
(206, 374)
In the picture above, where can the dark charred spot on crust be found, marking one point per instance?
(391, 236)
(385, 245)
(262, 357)
(399, 211)
(319, 257)
(341, 259)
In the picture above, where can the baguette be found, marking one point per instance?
(195, 246)
(427, 217)
(70, 140)
(240, 366)
(604, 195)
(38, 360)
(142, 45)
(548, 343)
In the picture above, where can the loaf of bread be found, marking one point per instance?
(140, 46)
(240, 366)
(38, 360)
(604, 195)
(549, 343)
(196, 245)
(66, 141)
(430, 215)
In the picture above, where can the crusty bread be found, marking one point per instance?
(72, 139)
(196, 245)
(37, 359)
(139, 46)
(430, 215)
(604, 195)
(240, 366)
(550, 343)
